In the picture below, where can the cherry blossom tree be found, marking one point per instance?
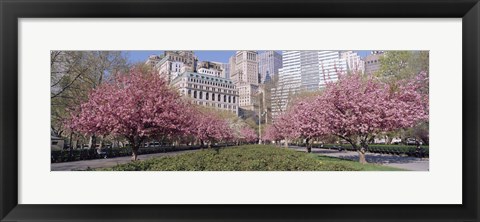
(248, 135)
(356, 108)
(286, 127)
(209, 128)
(272, 134)
(136, 106)
(308, 120)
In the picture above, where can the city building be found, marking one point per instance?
(269, 62)
(214, 68)
(331, 65)
(289, 81)
(245, 76)
(153, 60)
(247, 96)
(246, 67)
(305, 70)
(188, 58)
(169, 69)
(208, 90)
(232, 63)
(354, 61)
(172, 63)
(372, 62)
(226, 70)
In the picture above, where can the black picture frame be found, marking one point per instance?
(11, 11)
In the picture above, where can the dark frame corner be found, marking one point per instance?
(11, 11)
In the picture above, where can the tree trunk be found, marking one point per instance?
(135, 149)
(307, 145)
(135, 143)
(286, 143)
(361, 156)
(70, 148)
(101, 143)
(93, 142)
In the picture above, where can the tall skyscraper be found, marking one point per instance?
(305, 70)
(232, 62)
(330, 65)
(246, 67)
(289, 81)
(226, 70)
(354, 61)
(310, 69)
(245, 77)
(269, 62)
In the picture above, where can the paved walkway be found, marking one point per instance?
(102, 163)
(402, 162)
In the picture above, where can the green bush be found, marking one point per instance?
(88, 154)
(242, 158)
(381, 148)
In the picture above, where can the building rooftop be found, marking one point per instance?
(202, 76)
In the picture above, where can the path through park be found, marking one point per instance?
(402, 162)
(109, 162)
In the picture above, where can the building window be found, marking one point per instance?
(206, 96)
(224, 98)
(195, 94)
(234, 99)
(200, 94)
(229, 99)
(219, 98)
(213, 96)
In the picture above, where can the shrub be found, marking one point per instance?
(381, 148)
(242, 158)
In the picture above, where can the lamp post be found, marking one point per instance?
(260, 114)
(259, 124)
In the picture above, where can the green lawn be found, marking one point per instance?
(247, 158)
(355, 165)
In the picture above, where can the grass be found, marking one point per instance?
(355, 165)
(247, 158)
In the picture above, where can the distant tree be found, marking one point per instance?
(273, 134)
(135, 106)
(285, 126)
(248, 135)
(209, 127)
(397, 65)
(308, 119)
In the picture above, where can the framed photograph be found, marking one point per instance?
(224, 110)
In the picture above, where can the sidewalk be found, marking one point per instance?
(402, 162)
(102, 163)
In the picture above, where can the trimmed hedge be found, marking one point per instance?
(89, 154)
(241, 158)
(380, 148)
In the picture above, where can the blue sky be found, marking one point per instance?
(208, 55)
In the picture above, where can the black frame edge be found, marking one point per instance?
(10, 11)
(470, 118)
(9, 112)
